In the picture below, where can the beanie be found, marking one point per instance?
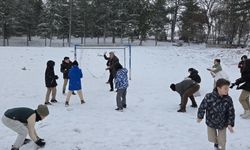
(42, 110)
(65, 58)
(172, 86)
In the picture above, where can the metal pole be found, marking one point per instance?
(70, 19)
(129, 62)
(124, 57)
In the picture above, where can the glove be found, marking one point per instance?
(232, 85)
(56, 77)
(40, 143)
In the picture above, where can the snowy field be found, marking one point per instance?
(150, 122)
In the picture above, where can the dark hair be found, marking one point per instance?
(65, 58)
(172, 87)
(222, 82)
(75, 63)
(117, 66)
(243, 57)
(217, 60)
(190, 69)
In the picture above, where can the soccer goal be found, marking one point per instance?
(123, 52)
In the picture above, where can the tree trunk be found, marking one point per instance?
(4, 43)
(27, 40)
(63, 41)
(156, 37)
(174, 20)
(45, 41)
(98, 40)
(104, 35)
(113, 38)
(81, 39)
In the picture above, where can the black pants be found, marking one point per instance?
(111, 78)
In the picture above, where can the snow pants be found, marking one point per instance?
(121, 97)
(20, 128)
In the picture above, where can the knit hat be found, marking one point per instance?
(75, 63)
(172, 86)
(42, 110)
(65, 58)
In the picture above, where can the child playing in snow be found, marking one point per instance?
(216, 71)
(186, 88)
(75, 75)
(219, 110)
(50, 82)
(121, 84)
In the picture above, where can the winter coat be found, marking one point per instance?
(111, 63)
(245, 77)
(50, 77)
(75, 75)
(216, 68)
(183, 86)
(241, 65)
(219, 110)
(195, 76)
(121, 79)
(65, 69)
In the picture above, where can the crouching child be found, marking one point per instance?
(22, 120)
(220, 115)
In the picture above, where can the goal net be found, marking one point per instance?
(92, 59)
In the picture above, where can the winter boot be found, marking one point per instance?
(124, 106)
(82, 101)
(54, 101)
(66, 104)
(181, 110)
(194, 105)
(119, 109)
(243, 113)
(13, 148)
(26, 141)
(47, 103)
(246, 115)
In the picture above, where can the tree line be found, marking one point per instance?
(188, 20)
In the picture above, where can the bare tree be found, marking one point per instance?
(209, 6)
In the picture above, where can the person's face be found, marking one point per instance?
(223, 90)
(42, 117)
(67, 60)
(215, 62)
(111, 55)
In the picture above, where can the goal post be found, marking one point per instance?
(125, 48)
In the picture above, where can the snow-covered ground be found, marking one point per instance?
(149, 123)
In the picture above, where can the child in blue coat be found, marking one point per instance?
(75, 75)
(121, 84)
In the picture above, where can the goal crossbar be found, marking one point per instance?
(124, 47)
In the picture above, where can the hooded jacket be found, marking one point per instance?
(121, 79)
(219, 110)
(50, 77)
(194, 76)
(75, 75)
